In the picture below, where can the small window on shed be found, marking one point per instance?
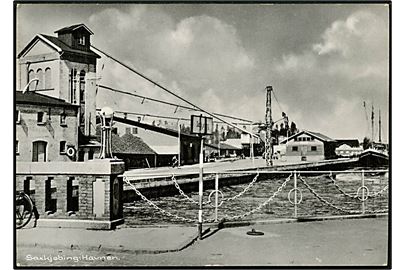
(313, 148)
(295, 148)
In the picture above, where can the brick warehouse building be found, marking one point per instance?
(65, 69)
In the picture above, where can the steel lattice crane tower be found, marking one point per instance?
(269, 125)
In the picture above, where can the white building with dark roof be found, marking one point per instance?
(64, 67)
(309, 146)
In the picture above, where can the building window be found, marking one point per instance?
(72, 195)
(82, 84)
(62, 147)
(40, 118)
(31, 75)
(50, 196)
(17, 117)
(39, 151)
(48, 78)
(72, 85)
(82, 40)
(63, 119)
(313, 148)
(127, 130)
(40, 76)
(295, 148)
(17, 148)
(134, 130)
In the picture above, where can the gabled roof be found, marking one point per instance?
(39, 99)
(129, 144)
(55, 44)
(73, 28)
(317, 135)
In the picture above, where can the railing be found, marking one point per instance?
(350, 196)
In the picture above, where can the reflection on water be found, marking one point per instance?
(139, 213)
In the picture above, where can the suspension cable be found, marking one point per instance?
(174, 94)
(168, 103)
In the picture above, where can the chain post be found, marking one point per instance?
(216, 196)
(363, 203)
(200, 190)
(295, 194)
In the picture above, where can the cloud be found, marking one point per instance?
(201, 58)
(329, 81)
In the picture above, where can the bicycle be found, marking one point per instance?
(23, 210)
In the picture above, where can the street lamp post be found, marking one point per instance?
(106, 115)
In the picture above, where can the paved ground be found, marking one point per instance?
(349, 242)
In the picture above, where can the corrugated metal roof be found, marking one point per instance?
(35, 98)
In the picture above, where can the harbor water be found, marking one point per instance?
(322, 195)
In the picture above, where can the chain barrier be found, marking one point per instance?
(244, 190)
(262, 204)
(176, 184)
(324, 200)
(259, 207)
(153, 205)
(379, 193)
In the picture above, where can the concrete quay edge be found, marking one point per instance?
(230, 224)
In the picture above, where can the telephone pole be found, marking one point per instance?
(269, 126)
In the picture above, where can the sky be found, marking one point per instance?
(323, 61)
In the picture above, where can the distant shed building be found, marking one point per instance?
(309, 146)
(134, 151)
(165, 141)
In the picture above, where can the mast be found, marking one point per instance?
(269, 125)
(372, 124)
(379, 125)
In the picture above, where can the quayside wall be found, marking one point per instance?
(164, 186)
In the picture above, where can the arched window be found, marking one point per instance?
(31, 75)
(40, 76)
(82, 86)
(48, 78)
